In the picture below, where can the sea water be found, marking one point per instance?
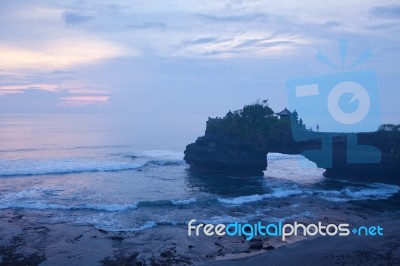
(90, 170)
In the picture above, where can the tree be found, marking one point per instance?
(255, 123)
(389, 128)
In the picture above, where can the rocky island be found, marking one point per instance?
(238, 143)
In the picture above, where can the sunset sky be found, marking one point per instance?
(191, 57)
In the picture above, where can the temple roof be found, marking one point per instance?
(284, 112)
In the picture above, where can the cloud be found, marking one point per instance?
(73, 18)
(246, 44)
(20, 88)
(263, 43)
(56, 81)
(85, 100)
(61, 72)
(389, 11)
(384, 26)
(148, 25)
(58, 54)
(201, 40)
(332, 24)
(155, 50)
(40, 101)
(234, 18)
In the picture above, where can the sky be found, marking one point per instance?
(177, 57)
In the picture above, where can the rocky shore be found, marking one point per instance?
(351, 250)
(26, 242)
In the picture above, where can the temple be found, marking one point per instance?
(285, 113)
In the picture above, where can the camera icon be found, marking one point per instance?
(341, 102)
(338, 104)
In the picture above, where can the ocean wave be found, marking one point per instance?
(156, 157)
(375, 191)
(17, 167)
(165, 203)
(38, 205)
(156, 154)
(64, 148)
(276, 193)
(34, 199)
(147, 225)
(272, 156)
(165, 162)
(184, 201)
(20, 167)
(22, 150)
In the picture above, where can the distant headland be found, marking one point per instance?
(238, 143)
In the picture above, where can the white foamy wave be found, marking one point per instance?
(242, 199)
(147, 225)
(61, 166)
(113, 222)
(108, 207)
(184, 202)
(157, 157)
(276, 193)
(375, 191)
(158, 154)
(40, 205)
(165, 162)
(280, 156)
(295, 168)
(34, 199)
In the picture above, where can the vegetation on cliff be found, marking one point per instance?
(256, 123)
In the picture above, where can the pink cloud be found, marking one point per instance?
(20, 88)
(85, 100)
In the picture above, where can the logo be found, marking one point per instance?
(280, 229)
(359, 93)
(341, 103)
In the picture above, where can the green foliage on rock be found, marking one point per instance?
(255, 122)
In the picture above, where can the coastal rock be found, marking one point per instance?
(224, 155)
(386, 170)
(256, 244)
(238, 144)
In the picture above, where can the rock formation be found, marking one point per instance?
(239, 142)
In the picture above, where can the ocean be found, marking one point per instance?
(73, 169)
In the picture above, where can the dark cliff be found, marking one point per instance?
(239, 142)
(218, 154)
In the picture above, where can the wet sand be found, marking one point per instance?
(351, 250)
(25, 241)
